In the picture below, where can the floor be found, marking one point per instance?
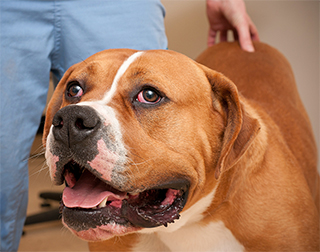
(50, 236)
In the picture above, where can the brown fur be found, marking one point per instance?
(252, 141)
(284, 177)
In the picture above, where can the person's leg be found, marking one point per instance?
(88, 27)
(26, 40)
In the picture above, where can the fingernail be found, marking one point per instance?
(249, 48)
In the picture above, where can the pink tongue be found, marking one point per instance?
(89, 192)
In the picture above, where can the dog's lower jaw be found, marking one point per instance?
(88, 215)
(103, 232)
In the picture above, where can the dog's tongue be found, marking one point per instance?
(89, 192)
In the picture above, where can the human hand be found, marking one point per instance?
(224, 15)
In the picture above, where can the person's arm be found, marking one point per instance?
(224, 15)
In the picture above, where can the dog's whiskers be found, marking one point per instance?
(43, 168)
(37, 155)
(133, 172)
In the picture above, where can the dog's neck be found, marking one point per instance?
(213, 237)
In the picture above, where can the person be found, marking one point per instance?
(42, 36)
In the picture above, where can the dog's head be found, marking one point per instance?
(140, 138)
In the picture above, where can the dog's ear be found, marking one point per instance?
(240, 127)
(55, 104)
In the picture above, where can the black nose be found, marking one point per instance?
(73, 124)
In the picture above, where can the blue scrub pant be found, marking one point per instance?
(37, 37)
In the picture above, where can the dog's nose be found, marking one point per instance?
(73, 124)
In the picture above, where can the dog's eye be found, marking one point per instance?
(148, 96)
(75, 90)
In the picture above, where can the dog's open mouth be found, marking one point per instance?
(88, 202)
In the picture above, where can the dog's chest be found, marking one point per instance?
(212, 237)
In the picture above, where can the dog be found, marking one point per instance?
(162, 153)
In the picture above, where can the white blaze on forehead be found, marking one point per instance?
(123, 68)
(106, 160)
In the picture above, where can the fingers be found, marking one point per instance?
(247, 32)
(223, 35)
(245, 38)
(224, 15)
(245, 35)
(253, 31)
(211, 37)
(215, 37)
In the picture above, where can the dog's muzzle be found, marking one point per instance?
(92, 199)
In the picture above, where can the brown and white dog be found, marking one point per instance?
(160, 153)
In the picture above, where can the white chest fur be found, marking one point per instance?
(212, 237)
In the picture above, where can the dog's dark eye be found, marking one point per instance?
(75, 90)
(148, 96)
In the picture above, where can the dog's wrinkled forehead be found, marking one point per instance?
(107, 73)
(96, 74)
(123, 68)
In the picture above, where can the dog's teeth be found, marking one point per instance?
(134, 194)
(103, 203)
